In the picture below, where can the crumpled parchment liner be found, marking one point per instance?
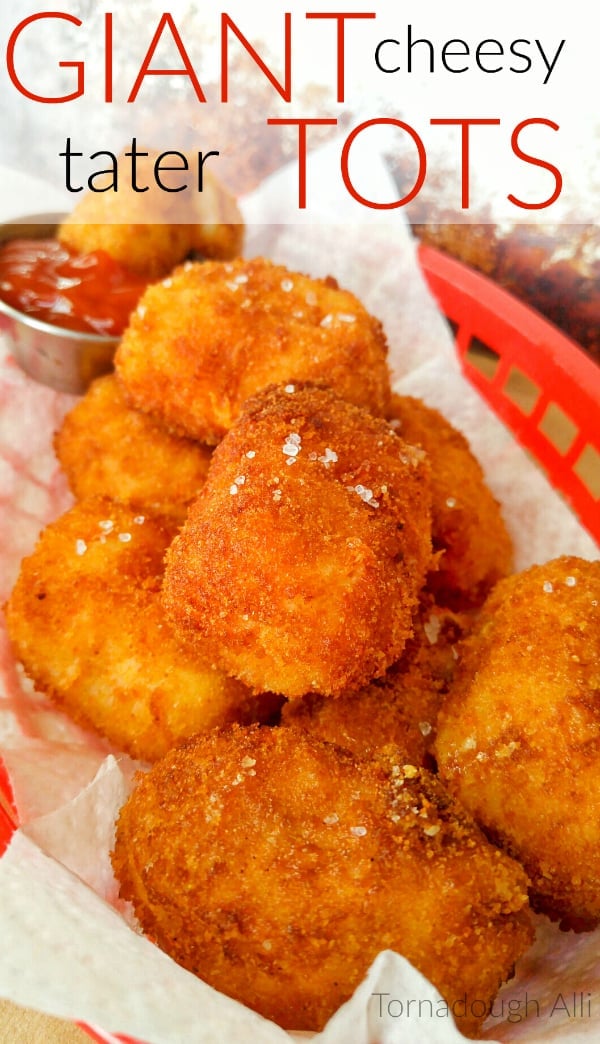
(66, 949)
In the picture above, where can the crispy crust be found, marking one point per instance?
(467, 524)
(303, 576)
(518, 733)
(85, 620)
(276, 866)
(213, 334)
(109, 449)
(399, 708)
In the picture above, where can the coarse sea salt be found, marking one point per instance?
(358, 831)
(365, 495)
(292, 445)
(432, 628)
(329, 457)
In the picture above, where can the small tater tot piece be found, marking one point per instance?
(86, 621)
(394, 709)
(399, 708)
(301, 562)
(109, 449)
(277, 866)
(197, 348)
(467, 524)
(150, 249)
(518, 733)
(151, 232)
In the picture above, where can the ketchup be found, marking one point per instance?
(91, 293)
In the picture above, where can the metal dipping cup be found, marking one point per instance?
(65, 360)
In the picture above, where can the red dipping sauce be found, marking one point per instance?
(90, 293)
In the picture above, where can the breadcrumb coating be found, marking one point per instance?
(86, 621)
(301, 562)
(399, 708)
(276, 866)
(467, 524)
(109, 449)
(212, 335)
(519, 732)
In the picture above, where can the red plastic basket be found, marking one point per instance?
(537, 380)
(530, 374)
(8, 811)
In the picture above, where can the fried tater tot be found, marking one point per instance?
(85, 620)
(109, 449)
(467, 524)
(214, 334)
(518, 735)
(151, 232)
(301, 562)
(399, 708)
(276, 866)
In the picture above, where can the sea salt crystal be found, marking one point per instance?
(432, 629)
(358, 831)
(329, 457)
(80, 547)
(548, 587)
(365, 494)
(124, 537)
(292, 445)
